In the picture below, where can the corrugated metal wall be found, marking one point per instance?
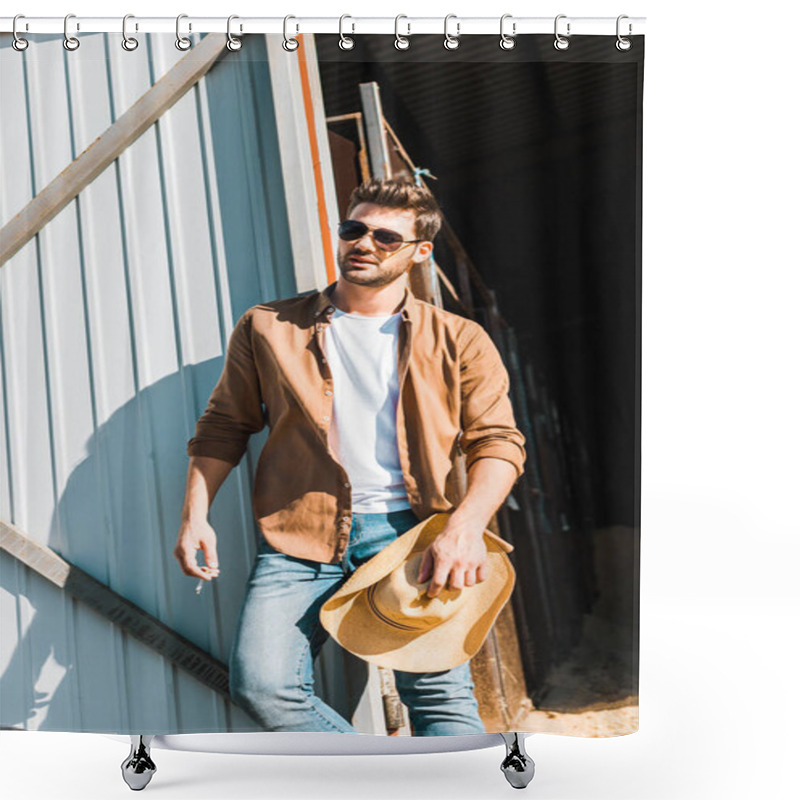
(114, 321)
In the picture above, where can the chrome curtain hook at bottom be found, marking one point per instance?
(233, 44)
(507, 42)
(290, 44)
(561, 42)
(401, 42)
(181, 42)
(18, 43)
(128, 42)
(346, 42)
(70, 42)
(622, 43)
(451, 42)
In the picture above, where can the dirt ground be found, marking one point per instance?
(595, 691)
(591, 694)
(602, 723)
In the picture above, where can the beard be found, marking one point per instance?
(375, 274)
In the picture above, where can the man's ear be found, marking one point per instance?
(424, 249)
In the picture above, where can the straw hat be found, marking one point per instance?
(384, 615)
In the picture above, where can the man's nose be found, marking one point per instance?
(365, 239)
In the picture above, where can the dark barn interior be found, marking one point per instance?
(537, 159)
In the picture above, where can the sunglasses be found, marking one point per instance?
(350, 230)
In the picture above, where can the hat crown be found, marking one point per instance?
(401, 601)
(383, 615)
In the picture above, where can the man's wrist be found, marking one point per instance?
(192, 515)
(465, 520)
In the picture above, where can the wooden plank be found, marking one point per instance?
(108, 146)
(134, 620)
(496, 668)
(376, 132)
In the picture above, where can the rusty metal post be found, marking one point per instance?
(497, 669)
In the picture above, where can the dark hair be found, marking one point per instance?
(404, 194)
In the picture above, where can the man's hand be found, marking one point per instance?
(456, 558)
(197, 535)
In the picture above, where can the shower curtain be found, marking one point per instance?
(170, 221)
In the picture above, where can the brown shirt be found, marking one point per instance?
(453, 393)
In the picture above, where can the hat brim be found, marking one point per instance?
(348, 618)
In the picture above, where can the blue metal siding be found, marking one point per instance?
(114, 322)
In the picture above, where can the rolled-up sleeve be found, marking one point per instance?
(487, 416)
(234, 410)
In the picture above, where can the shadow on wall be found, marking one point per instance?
(118, 520)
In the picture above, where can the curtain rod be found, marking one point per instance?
(292, 25)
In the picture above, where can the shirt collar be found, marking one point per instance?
(323, 306)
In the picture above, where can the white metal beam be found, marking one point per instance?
(303, 203)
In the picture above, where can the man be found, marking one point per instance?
(368, 394)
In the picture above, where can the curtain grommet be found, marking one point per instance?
(451, 42)
(234, 43)
(561, 42)
(70, 42)
(623, 44)
(18, 43)
(401, 42)
(290, 44)
(507, 42)
(128, 42)
(183, 43)
(346, 42)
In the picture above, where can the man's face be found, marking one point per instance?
(363, 262)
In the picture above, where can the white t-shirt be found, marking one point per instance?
(362, 354)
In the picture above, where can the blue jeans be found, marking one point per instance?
(279, 635)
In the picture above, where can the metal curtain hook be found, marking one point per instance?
(128, 42)
(70, 42)
(19, 44)
(401, 42)
(290, 45)
(623, 43)
(233, 44)
(346, 42)
(561, 42)
(507, 42)
(451, 42)
(181, 42)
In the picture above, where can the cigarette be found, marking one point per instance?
(199, 587)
